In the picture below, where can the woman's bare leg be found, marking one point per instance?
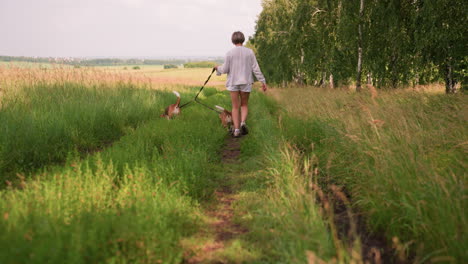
(235, 109)
(244, 104)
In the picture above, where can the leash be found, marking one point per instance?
(209, 107)
(196, 96)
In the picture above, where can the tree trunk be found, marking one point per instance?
(369, 78)
(332, 82)
(416, 79)
(450, 82)
(393, 69)
(300, 75)
(324, 78)
(359, 64)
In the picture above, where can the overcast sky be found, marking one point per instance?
(123, 28)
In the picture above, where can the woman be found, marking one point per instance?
(239, 65)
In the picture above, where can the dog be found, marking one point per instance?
(226, 118)
(174, 109)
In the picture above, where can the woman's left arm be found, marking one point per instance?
(256, 70)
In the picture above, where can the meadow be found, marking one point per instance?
(400, 155)
(90, 173)
(79, 163)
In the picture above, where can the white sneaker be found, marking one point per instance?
(237, 133)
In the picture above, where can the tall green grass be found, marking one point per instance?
(41, 124)
(83, 215)
(401, 156)
(111, 182)
(277, 204)
(132, 201)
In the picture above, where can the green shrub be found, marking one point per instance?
(170, 66)
(200, 64)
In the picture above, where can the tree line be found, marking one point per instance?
(92, 62)
(201, 64)
(386, 43)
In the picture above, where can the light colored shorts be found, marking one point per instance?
(243, 88)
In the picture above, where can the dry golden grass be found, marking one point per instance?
(153, 77)
(313, 101)
(191, 76)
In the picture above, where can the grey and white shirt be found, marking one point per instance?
(239, 65)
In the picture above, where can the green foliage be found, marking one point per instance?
(309, 40)
(170, 66)
(136, 67)
(200, 64)
(441, 37)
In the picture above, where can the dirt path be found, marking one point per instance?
(222, 229)
(215, 243)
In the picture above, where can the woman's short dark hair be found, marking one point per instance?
(237, 38)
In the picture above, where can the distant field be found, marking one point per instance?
(143, 68)
(157, 73)
(153, 76)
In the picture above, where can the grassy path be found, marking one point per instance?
(221, 239)
(262, 211)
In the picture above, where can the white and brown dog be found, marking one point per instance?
(226, 118)
(173, 109)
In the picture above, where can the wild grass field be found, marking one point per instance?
(91, 174)
(401, 156)
(157, 74)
